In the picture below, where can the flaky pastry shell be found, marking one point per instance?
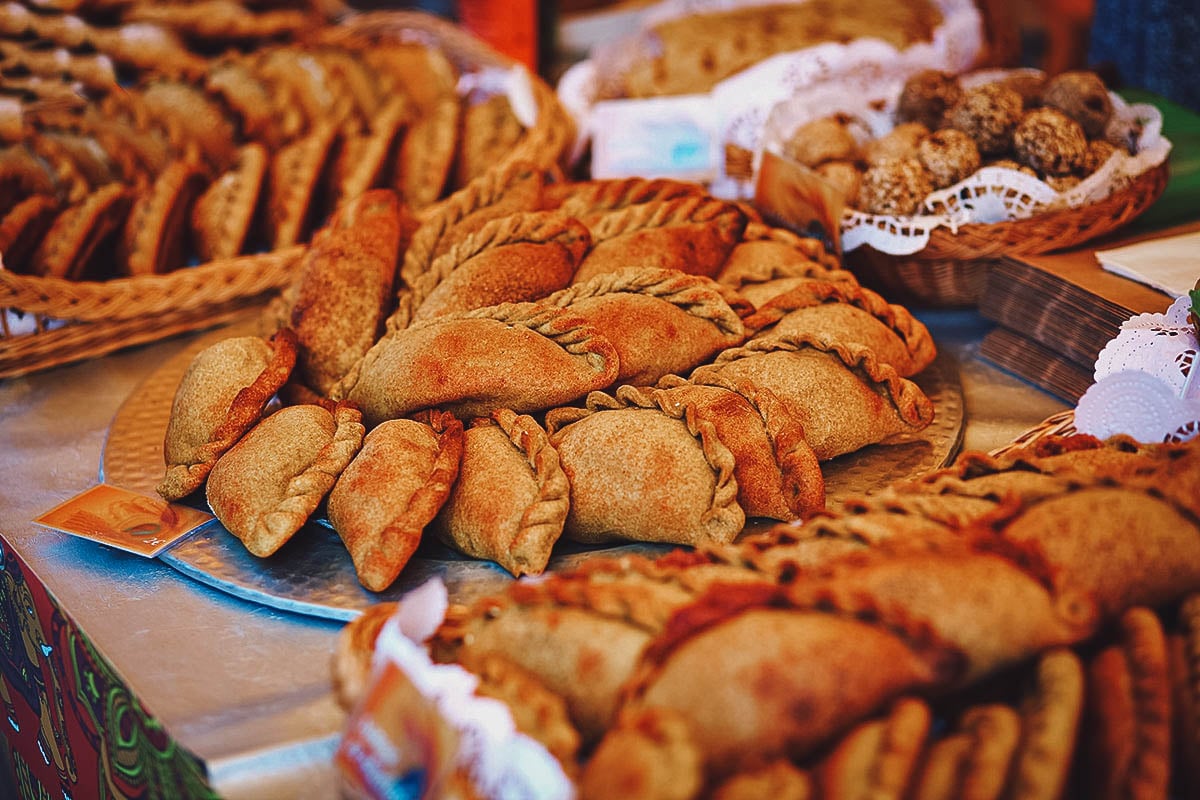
(522, 356)
(267, 485)
(510, 501)
(393, 488)
(223, 393)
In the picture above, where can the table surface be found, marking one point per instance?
(244, 687)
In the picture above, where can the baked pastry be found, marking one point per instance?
(823, 139)
(850, 314)
(344, 289)
(900, 142)
(768, 261)
(845, 178)
(690, 234)
(675, 477)
(927, 97)
(393, 488)
(894, 186)
(1050, 142)
(777, 473)
(265, 487)
(221, 396)
(521, 356)
(660, 321)
(988, 113)
(845, 396)
(949, 155)
(521, 257)
(510, 501)
(1083, 97)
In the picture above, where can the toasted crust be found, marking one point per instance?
(394, 487)
(804, 369)
(511, 498)
(522, 356)
(265, 487)
(661, 321)
(221, 396)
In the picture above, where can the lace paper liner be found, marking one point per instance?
(991, 194)
(1146, 384)
(735, 112)
(500, 761)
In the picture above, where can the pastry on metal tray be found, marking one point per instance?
(344, 287)
(845, 395)
(517, 258)
(690, 234)
(656, 472)
(265, 487)
(661, 321)
(510, 501)
(521, 356)
(777, 473)
(850, 314)
(221, 396)
(393, 488)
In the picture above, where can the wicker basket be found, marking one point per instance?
(46, 322)
(951, 270)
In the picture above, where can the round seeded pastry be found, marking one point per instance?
(1050, 142)
(894, 186)
(900, 142)
(825, 139)
(988, 114)
(950, 156)
(927, 96)
(1083, 97)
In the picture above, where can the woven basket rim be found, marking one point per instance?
(1051, 230)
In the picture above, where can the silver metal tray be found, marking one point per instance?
(312, 574)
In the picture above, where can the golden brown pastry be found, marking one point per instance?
(518, 258)
(265, 487)
(522, 356)
(850, 314)
(777, 473)
(495, 194)
(877, 758)
(661, 321)
(344, 289)
(690, 234)
(589, 200)
(393, 488)
(223, 393)
(654, 473)
(510, 501)
(769, 261)
(845, 395)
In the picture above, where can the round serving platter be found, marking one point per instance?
(313, 574)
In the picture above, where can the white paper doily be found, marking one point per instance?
(1147, 383)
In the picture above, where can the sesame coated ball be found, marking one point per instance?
(927, 96)
(825, 139)
(900, 142)
(1098, 152)
(950, 156)
(1050, 142)
(894, 186)
(1083, 97)
(988, 114)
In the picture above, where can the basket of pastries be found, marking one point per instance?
(163, 166)
(1016, 625)
(939, 173)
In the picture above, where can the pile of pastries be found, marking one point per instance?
(141, 137)
(1054, 129)
(1022, 626)
(540, 358)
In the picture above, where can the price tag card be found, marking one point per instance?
(124, 519)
